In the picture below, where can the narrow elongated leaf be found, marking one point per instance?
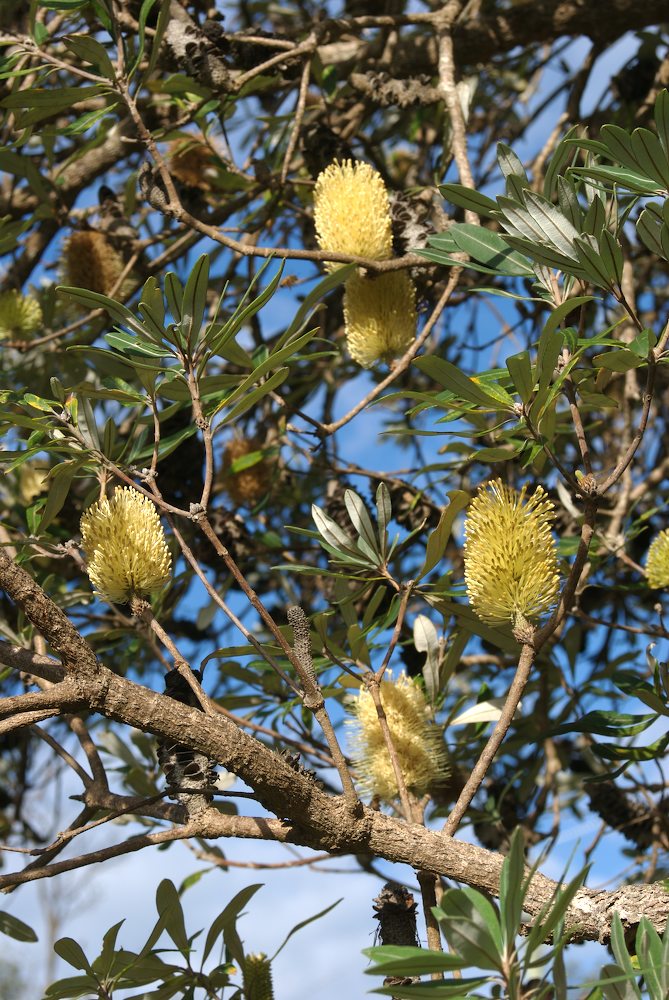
(489, 248)
(384, 513)
(169, 908)
(469, 199)
(15, 928)
(511, 893)
(650, 156)
(509, 163)
(404, 960)
(228, 917)
(426, 640)
(457, 382)
(195, 300)
(91, 51)
(438, 539)
(71, 952)
(360, 519)
(304, 923)
(471, 928)
(520, 371)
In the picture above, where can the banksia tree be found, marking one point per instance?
(657, 562)
(380, 317)
(20, 315)
(90, 261)
(511, 567)
(352, 212)
(125, 546)
(417, 741)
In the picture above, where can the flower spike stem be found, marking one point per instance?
(142, 610)
(473, 784)
(313, 700)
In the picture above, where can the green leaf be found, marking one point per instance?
(304, 923)
(91, 51)
(616, 985)
(15, 928)
(60, 479)
(255, 396)
(170, 910)
(509, 163)
(511, 893)
(618, 361)
(438, 539)
(489, 248)
(71, 952)
(227, 918)
(404, 960)
(195, 300)
(384, 513)
(426, 640)
(520, 371)
(468, 199)
(471, 927)
(601, 723)
(323, 288)
(361, 520)
(457, 382)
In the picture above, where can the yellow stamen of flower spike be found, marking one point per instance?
(511, 568)
(351, 212)
(90, 261)
(379, 317)
(20, 315)
(417, 741)
(657, 562)
(125, 546)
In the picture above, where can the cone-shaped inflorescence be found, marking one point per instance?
(20, 315)
(125, 546)
(417, 741)
(657, 563)
(510, 557)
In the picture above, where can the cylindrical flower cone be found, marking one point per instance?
(125, 546)
(379, 317)
(657, 562)
(20, 315)
(511, 569)
(90, 261)
(352, 213)
(417, 741)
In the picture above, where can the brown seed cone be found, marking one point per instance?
(249, 485)
(90, 261)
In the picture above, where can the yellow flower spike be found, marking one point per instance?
(417, 741)
(379, 317)
(351, 212)
(90, 261)
(20, 315)
(657, 561)
(511, 569)
(125, 546)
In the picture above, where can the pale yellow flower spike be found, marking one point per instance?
(20, 315)
(511, 568)
(417, 741)
(125, 546)
(351, 212)
(657, 563)
(379, 317)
